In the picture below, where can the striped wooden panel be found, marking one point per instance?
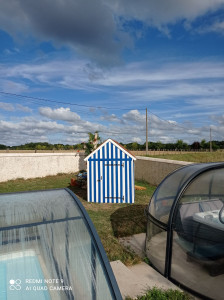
(110, 176)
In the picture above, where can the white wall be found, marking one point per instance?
(31, 165)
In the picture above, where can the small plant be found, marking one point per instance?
(160, 294)
(147, 261)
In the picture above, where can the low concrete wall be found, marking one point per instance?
(154, 170)
(32, 165)
(42, 151)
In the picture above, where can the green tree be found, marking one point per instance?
(79, 146)
(215, 146)
(134, 146)
(180, 145)
(204, 144)
(93, 141)
(158, 145)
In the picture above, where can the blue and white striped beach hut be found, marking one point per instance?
(110, 170)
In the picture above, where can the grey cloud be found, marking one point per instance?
(218, 119)
(88, 26)
(94, 28)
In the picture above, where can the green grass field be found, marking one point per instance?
(111, 220)
(201, 157)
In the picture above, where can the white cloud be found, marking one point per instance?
(17, 107)
(143, 73)
(6, 106)
(172, 122)
(23, 108)
(134, 81)
(30, 129)
(214, 102)
(63, 114)
(10, 85)
(134, 116)
(137, 140)
(110, 118)
(133, 129)
(69, 74)
(217, 26)
(160, 13)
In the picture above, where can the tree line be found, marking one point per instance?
(39, 146)
(179, 145)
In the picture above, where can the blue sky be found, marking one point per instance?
(72, 67)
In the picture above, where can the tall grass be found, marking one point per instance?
(201, 157)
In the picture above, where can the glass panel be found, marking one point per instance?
(56, 259)
(198, 239)
(102, 288)
(32, 207)
(201, 274)
(167, 191)
(208, 185)
(165, 194)
(156, 239)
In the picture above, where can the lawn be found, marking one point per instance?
(201, 157)
(111, 220)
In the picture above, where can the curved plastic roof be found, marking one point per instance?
(168, 192)
(185, 229)
(48, 237)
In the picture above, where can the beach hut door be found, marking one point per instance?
(111, 182)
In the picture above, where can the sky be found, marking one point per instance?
(69, 67)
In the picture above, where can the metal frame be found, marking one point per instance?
(99, 246)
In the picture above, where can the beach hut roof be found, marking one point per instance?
(116, 144)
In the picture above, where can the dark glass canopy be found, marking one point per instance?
(185, 230)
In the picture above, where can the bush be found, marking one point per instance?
(160, 294)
